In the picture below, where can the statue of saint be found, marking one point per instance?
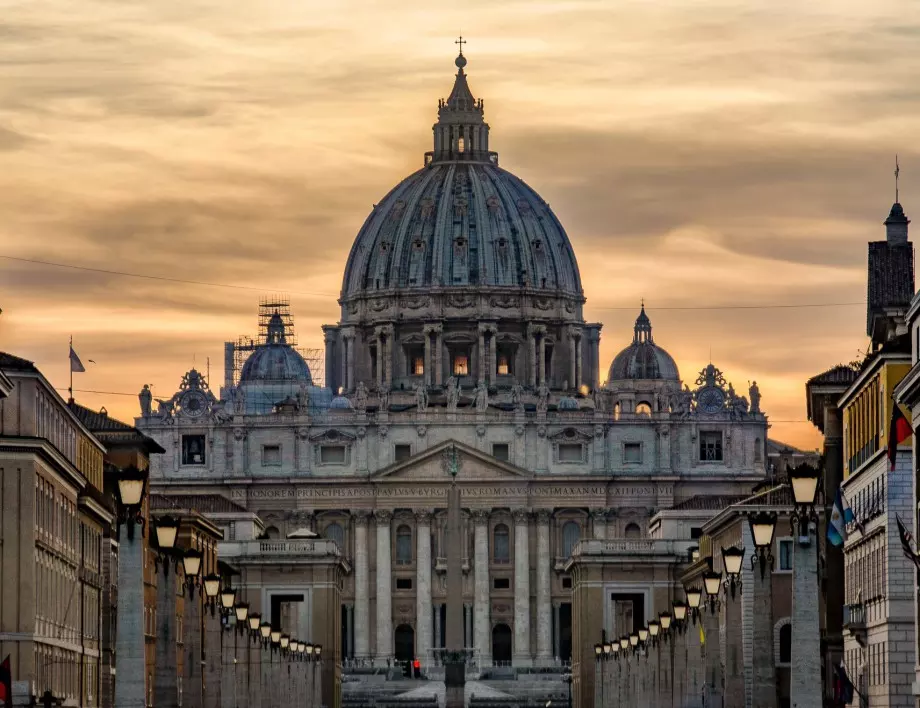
(383, 399)
(482, 398)
(145, 398)
(517, 397)
(421, 397)
(239, 401)
(360, 397)
(303, 398)
(453, 393)
(754, 393)
(542, 398)
(164, 409)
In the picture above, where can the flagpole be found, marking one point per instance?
(70, 366)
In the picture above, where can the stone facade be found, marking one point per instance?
(52, 545)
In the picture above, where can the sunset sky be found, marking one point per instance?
(698, 152)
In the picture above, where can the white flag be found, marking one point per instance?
(75, 363)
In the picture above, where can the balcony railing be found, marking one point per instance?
(440, 565)
(854, 621)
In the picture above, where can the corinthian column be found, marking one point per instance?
(362, 606)
(384, 591)
(544, 608)
(481, 362)
(521, 653)
(423, 582)
(481, 624)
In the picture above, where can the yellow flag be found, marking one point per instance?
(702, 635)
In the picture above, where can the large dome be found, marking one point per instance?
(643, 359)
(461, 220)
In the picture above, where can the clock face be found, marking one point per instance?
(711, 400)
(194, 404)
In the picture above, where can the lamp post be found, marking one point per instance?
(166, 532)
(191, 566)
(130, 687)
(712, 582)
(805, 680)
(694, 598)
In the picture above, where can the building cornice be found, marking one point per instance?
(881, 359)
(24, 447)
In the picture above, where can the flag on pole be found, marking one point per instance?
(898, 432)
(6, 682)
(907, 543)
(843, 687)
(702, 636)
(75, 364)
(841, 515)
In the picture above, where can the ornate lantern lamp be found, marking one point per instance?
(733, 559)
(132, 487)
(680, 615)
(694, 598)
(166, 531)
(241, 611)
(763, 528)
(191, 566)
(211, 584)
(265, 632)
(712, 581)
(804, 481)
(654, 629)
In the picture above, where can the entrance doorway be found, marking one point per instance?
(405, 643)
(501, 644)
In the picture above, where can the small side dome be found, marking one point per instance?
(341, 403)
(276, 360)
(643, 359)
(567, 403)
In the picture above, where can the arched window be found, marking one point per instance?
(334, 532)
(785, 644)
(270, 532)
(571, 533)
(633, 531)
(643, 408)
(461, 145)
(500, 547)
(616, 411)
(403, 545)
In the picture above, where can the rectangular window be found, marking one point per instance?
(271, 455)
(403, 583)
(500, 451)
(632, 453)
(461, 365)
(566, 583)
(696, 532)
(785, 554)
(710, 446)
(504, 365)
(570, 452)
(403, 452)
(193, 450)
(501, 583)
(332, 454)
(418, 366)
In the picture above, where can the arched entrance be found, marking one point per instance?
(501, 643)
(405, 643)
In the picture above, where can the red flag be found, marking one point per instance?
(6, 682)
(898, 432)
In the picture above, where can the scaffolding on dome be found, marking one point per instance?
(236, 353)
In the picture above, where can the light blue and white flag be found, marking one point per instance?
(841, 515)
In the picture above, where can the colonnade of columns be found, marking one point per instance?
(478, 615)
(537, 341)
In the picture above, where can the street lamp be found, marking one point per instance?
(763, 528)
(624, 643)
(242, 614)
(733, 559)
(654, 628)
(665, 619)
(211, 588)
(804, 480)
(191, 565)
(254, 620)
(132, 484)
(265, 631)
(694, 598)
(227, 599)
(712, 581)
(166, 530)
(680, 615)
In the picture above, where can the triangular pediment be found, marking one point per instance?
(430, 466)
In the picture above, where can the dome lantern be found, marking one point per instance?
(461, 132)
(643, 359)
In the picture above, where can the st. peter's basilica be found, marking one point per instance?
(461, 336)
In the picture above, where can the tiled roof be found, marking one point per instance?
(709, 502)
(838, 375)
(98, 421)
(202, 503)
(15, 363)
